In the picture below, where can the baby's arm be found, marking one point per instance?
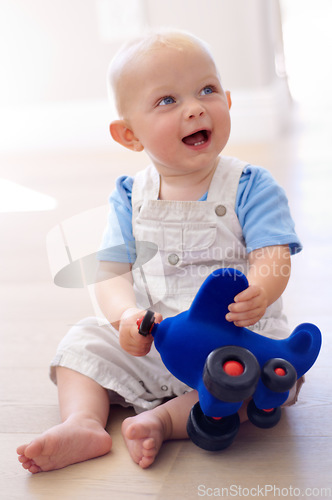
(116, 298)
(269, 271)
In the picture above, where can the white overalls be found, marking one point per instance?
(193, 238)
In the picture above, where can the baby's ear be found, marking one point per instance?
(229, 99)
(125, 136)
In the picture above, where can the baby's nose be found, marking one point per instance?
(195, 114)
(194, 110)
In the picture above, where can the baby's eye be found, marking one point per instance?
(209, 89)
(166, 100)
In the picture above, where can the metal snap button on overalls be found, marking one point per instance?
(220, 210)
(173, 259)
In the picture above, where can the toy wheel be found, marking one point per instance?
(263, 418)
(231, 373)
(278, 375)
(145, 325)
(209, 433)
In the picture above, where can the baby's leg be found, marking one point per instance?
(145, 433)
(84, 408)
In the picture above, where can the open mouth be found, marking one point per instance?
(199, 138)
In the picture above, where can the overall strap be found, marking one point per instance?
(146, 185)
(226, 179)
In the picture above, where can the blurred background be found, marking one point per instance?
(56, 154)
(54, 58)
(57, 158)
(58, 165)
(273, 55)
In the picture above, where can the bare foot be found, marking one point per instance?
(75, 440)
(144, 435)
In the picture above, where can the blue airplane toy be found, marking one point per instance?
(227, 364)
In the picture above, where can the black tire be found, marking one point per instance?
(262, 418)
(229, 388)
(275, 382)
(147, 323)
(210, 434)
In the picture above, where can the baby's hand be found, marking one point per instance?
(130, 340)
(249, 306)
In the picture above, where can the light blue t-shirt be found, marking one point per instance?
(261, 207)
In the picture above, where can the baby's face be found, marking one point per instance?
(176, 107)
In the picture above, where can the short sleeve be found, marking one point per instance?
(118, 244)
(263, 211)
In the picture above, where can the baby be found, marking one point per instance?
(201, 211)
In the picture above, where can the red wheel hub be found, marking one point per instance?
(233, 368)
(280, 371)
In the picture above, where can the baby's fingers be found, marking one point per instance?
(244, 306)
(249, 293)
(138, 344)
(247, 318)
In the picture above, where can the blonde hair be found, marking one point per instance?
(138, 47)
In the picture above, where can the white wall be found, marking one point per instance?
(54, 56)
(51, 51)
(237, 30)
(246, 39)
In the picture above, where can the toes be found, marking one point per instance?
(21, 449)
(145, 462)
(143, 452)
(148, 453)
(135, 431)
(143, 438)
(149, 444)
(34, 449)
(130, 432)
(34, 469)
(26, 452)
(27, 464)
(23, 459)
(31, 466)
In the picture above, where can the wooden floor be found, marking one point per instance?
(293, 457)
